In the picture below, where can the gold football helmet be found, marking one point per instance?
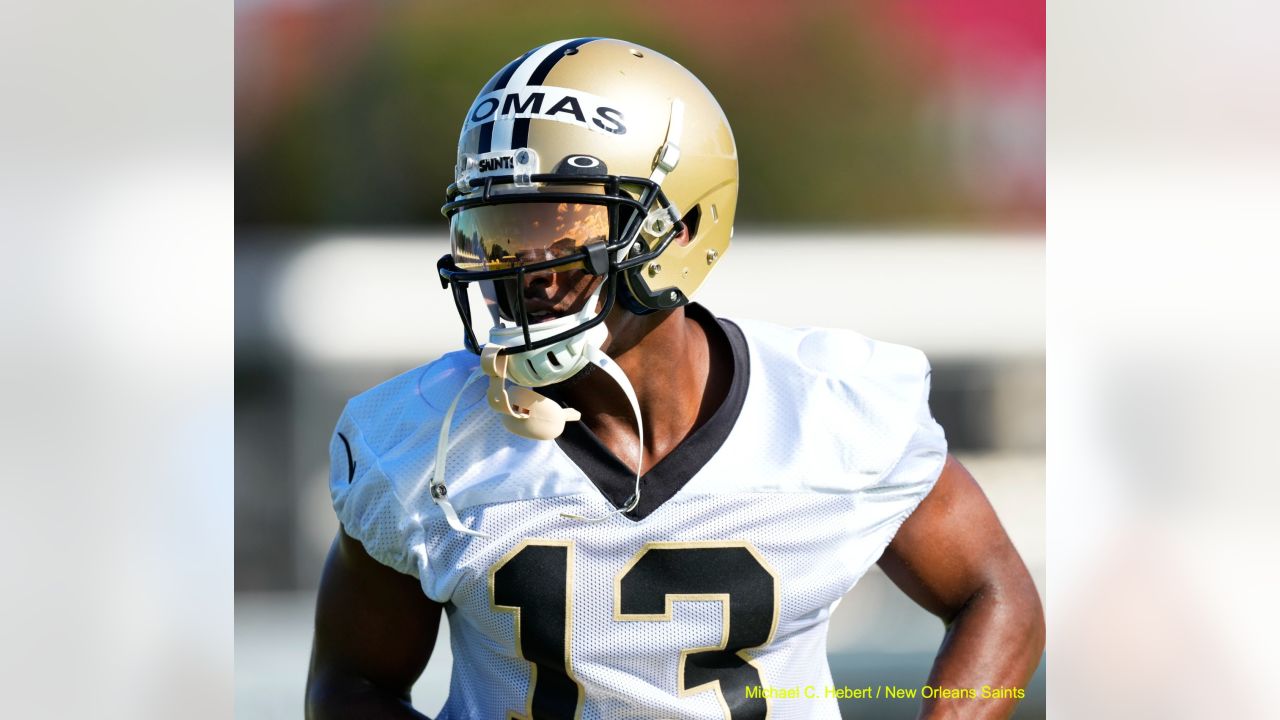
(585, 161)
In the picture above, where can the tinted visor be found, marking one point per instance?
(516, 235)
(512, 235)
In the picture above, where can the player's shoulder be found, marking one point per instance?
(839, 394)
(396, 408)
(838, 356)
(383, 444)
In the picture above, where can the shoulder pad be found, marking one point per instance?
(380, 457)
(844, 395)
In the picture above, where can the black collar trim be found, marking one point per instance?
(615, 480)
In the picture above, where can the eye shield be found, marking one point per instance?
(529, 235)
(502, 229)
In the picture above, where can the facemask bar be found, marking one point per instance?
(595, 257)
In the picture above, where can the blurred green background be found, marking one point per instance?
(926, 114)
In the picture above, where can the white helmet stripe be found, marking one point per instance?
(502, 127)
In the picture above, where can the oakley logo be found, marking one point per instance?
(544, 102)
(582, 161)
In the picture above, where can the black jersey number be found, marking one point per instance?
(535, 581)
(733, 574)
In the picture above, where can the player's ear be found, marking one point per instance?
(688, 226)
(682, 235)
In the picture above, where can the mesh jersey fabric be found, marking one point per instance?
(832, 450)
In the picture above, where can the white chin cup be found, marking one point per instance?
(554, 363)
(524, 412)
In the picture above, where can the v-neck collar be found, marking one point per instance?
(615, 480)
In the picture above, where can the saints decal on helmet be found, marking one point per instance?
(581, 165)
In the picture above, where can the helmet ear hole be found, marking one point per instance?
(691, 220)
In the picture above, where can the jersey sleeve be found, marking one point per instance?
(368, 503)
(907, 483)
(887, 502)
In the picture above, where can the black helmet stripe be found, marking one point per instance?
(540, 73)
(499, 82)
(515, 80)
(520, 133)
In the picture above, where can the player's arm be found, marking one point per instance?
(375, 630)
(954, 559)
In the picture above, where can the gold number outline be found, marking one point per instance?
(568, 622)
(723, 598)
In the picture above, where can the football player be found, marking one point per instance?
(627, 506)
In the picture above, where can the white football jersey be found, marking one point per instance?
(713, 592)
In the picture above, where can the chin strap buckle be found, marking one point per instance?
(668, 155)
(439, 491)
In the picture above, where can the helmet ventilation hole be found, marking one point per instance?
(552, 358)
(571, 51)
(532, 369)
(715, 214)
(637, 53)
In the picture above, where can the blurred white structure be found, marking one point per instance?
(370, 298)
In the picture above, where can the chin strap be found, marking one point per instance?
(669, 154)
(664, 161)
(605, 363)
(440, 493)
(530, 415)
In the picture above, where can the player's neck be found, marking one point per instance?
(667, 358)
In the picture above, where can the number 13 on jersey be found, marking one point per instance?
(534, 582)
